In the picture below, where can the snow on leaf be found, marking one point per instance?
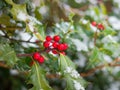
(67, 69)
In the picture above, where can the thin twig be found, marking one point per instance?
(3, 65)
(30, 38)
(30, 54)
(10, 28)
(91, 71)
(25, 55)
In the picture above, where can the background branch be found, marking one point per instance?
(114, 63)
(9, 28)
(12, 39)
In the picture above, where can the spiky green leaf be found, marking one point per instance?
(65, 62)
(8, 54)
(67, 69)
(96, 58)
(37, 78)
(17, 8)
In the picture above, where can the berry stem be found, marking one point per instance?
(25, 55)
(30, 54)
(65, 35)
(95, 37)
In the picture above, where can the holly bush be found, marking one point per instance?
(59, 45)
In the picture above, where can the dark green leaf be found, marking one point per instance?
(7, 54)
(37, 78)
(95, 58)
(67, 69)
(65, 62)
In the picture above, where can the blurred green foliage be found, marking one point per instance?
(71, 20)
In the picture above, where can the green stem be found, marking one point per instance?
(95, 38)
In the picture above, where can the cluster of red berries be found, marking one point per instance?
(54, 45)
(99, 26)
(38, 57)
(51, 44)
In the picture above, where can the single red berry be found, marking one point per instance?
(55, 44)
(48, 38)
(100, 26)
(36, 55)
(41, 59)
(65, 46)
(94, 23)
(61, 47)
(56, 38)
(63, 53)
(46, 44)
(54, 52)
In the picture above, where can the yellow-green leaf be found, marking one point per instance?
(17, 8)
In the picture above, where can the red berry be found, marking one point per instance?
(46, 44)
(61, 47)
(65, 46)
(48, 38)
(55, 44)
(94, 23)
(62, 53)
(56, 38)
(41, 59)
(100, 26)
(36, 55)
(54, 52)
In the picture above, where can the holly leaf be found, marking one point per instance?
(96, 58)
(19, 12)
(17, 8)
(103, 8)
(65, 62)
(4, 19)
(41, 29)
(72, 83)
(69, 84)
(67, 69)
(8, 55)
(114, 48)
(96, 10)
(37, 78)
(108, 31)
